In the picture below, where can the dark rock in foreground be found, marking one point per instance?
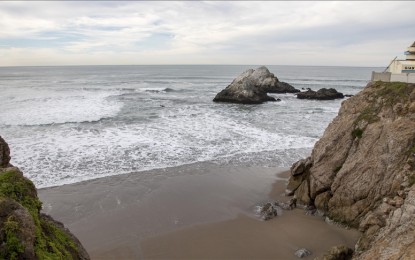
(321, 94)
(251, 87)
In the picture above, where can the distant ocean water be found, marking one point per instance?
(68, 124)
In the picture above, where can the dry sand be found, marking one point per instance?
(194, 211)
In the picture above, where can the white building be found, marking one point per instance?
(399, 70)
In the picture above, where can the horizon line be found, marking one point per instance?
(85, 65)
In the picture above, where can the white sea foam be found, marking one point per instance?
(45, 119)
(42, 107)
(183, 135)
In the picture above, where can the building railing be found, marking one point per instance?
(389, 77)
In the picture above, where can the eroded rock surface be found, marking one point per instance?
(361, 172)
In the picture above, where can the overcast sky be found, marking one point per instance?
(190, 32)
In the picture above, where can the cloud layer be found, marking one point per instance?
(287, 33)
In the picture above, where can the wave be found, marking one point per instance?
(157, 90)
(59, 110)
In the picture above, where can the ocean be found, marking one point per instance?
(68, 124)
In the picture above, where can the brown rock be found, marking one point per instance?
(293, 183)
(302, 193)
(364, 156)
(322, 201)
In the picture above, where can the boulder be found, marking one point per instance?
(251, 87)
(321, 94)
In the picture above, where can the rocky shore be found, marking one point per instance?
(361, 173)
(25, 233)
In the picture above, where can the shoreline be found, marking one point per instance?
(118, 211)
(143, 215)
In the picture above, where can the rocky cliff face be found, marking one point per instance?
(362, 171)
(25, 233)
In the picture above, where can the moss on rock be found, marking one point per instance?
(50, 239)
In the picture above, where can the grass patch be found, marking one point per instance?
(14, 186)
(369, 114)
(357, 133)
(394, 92)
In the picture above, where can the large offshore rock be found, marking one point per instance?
(365, 164)
(251, 87)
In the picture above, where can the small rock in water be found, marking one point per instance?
(268, 211)
(302, 252)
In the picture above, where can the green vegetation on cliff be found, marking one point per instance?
(393, 92)
(24, 231)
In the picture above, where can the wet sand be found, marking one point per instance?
(194, 211)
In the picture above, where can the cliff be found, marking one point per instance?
(25, 233)
(361, 172)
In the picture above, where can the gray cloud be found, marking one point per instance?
(303, 33)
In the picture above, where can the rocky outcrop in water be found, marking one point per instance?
(25, 233)
(252, 86)
(362, 171)
(321, 94)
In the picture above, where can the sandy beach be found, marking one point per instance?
(194, 211)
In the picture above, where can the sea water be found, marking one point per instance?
(74, 123)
